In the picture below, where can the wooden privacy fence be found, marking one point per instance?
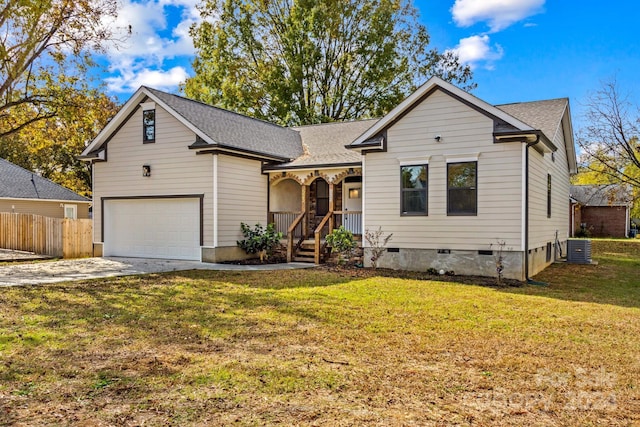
(57, 237)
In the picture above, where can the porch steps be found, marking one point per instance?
(306, 253)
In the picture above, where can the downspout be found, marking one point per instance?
(526, 214)
(628, 222)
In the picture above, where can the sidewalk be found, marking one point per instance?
(93, 268)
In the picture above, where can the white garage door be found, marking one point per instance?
(152, 228)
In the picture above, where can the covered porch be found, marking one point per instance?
(306, 205)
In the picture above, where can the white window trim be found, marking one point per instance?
(414, 161)
(75, 211)
(148, 106)
(462, 158)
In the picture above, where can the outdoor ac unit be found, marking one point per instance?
(579, 251)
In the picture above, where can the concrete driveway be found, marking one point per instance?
(92, 268)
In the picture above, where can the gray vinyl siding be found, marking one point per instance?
(242, 197)
(46, 208)
(175, 170)
(464, 132)
(542, 229)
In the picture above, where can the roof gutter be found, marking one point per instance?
(279, 168)
(532, 137)
(225, 149)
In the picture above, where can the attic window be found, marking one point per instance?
(149, 126)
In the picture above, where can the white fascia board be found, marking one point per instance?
(116, 120)
(569, 142)
(422, 90)
(21, 199)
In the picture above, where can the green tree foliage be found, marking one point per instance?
(50, 146)
(299, 62)
(609, 142)
(45, 48)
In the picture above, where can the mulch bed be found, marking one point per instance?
(354, 271)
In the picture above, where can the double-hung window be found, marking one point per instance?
(462, 188)
(414, 190)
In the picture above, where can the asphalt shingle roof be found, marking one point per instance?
(542, 115)
(324, 144)
(601, 195)
(235, 130)
(19, 183)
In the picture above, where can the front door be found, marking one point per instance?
(352, 202)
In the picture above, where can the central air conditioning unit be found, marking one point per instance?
(579, 251)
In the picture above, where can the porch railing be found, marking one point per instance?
(292, 244)
(351, 220)
(283, 220)
(291, 224)
(321, 232)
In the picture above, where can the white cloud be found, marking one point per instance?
(499, 14)
(150, 36)
(152, 39)
(475, 49)
(130, 81)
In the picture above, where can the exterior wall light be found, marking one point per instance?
(146, 170)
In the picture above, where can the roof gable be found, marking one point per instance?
(214, 127)
(433, 84)
(19, 183)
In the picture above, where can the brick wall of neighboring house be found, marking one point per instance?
(604, 221)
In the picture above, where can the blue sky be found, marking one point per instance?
(520, 50)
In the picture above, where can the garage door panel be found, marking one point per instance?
(153, 228)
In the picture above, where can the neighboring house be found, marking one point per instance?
(448, 174)
(600, 210)
(22, 191)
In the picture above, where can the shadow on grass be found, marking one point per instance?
(615, 279)
(192, 307)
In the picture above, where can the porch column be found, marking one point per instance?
(305, 208)
(332, 206)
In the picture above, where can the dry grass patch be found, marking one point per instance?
(316, 347)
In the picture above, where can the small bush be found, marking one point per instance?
(377, 244)
(341, 241)
(583, 232)
(259, 240)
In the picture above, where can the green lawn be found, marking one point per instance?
(315, 347)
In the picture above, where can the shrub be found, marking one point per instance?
(259, 240)
(498, 257)
(341, 241)
(583, 232)
(376, 244)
